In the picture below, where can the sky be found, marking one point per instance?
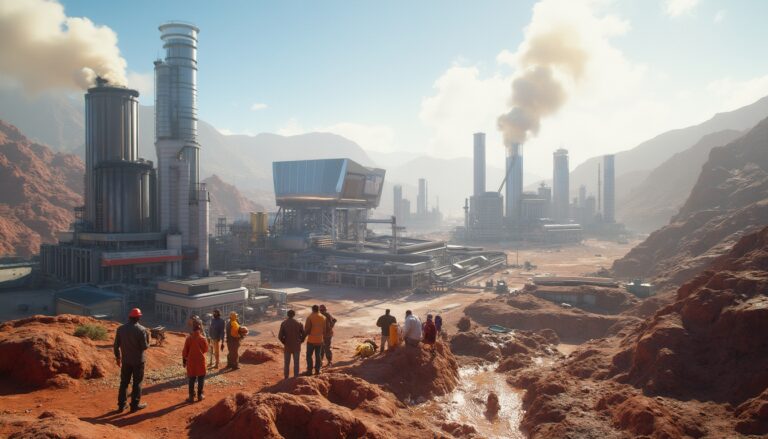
(421, 77)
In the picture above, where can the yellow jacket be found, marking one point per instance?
(314, 327)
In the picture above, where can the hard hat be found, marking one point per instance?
(135, 313)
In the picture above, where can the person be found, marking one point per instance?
(216, 333)
(438, 323)
(366, 349)
(191, 323)
(193, 358)
(233, 336)
(330, 322)
(412, 329)
(291, 335)
(384, 322)
(131, 342)
(429, 331)
(314, 327)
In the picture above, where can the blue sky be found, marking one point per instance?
(422, 76)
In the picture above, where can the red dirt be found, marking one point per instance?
(679, 373)
(330, 405)
(56, 425)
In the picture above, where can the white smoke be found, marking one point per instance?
(42, 48)
(551, 61)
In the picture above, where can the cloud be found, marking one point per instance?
(677, 8)
(291, 128)
(258, 106)
(370, 137)
(144, 83)
(734, 94)
(719, 16)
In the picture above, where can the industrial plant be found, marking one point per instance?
(546, 215)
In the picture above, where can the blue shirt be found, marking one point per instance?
(216, 331)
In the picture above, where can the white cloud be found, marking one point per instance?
(677, 8)
(145, 84)
(719, 16)
(291, 128)
(370, 137)
(258, 106)
(733, 94)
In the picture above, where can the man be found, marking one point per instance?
(314, 327)
(291, 335)
(330, 322)
(131, 340)
(384, 322)
(430, 331)
(412, 329)
(438, 323)
(233, 341)
(216, 332)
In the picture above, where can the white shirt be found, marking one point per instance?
(412, 328)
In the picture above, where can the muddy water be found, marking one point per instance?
(466, 404)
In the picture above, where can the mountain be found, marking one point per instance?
(651, 203)
(648, 155)
(40, 189)
(227, 201)
(729, 200)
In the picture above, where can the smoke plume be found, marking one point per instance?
(552, 58)
(42, 48)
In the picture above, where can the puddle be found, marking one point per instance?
(466, 404)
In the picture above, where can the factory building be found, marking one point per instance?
(421, 198)
(115, 237)
(486, 216)
(398, 202)
(560, 186)
(184, 201)
(609, 190)
(479, 164)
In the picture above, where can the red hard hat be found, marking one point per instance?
(135, 313)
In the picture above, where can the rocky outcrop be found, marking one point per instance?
(40, 189)
(57, 424)
(698, 367)
(729, 200)
(329, 405)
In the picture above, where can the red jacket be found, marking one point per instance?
(429, 332)
(195, 348)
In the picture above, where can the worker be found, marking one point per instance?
(216, 333)
(233, 336)
(291, 335)
(314, 327)
(438, 323)
(193, 358)
(330, 322)
(412, 329)
(384, 322)
(131, 342)
(191, 323)
(429, 331)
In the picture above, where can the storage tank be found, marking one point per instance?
(259, 225)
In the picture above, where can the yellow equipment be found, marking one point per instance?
(394, 335)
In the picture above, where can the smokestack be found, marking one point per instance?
(609, 208)
(560, 185)
(479, 155)
(398, 202)
(514, 192)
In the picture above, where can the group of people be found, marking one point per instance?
(132, 340)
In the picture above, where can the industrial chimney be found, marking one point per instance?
(609, 191)
(479, 156)
(560, 185)
(514, 192)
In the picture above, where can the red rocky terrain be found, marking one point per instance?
(698, 367)
(40, 188)
(729, 200)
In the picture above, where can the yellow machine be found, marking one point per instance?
(259, 225)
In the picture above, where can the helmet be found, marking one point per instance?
(135, 313)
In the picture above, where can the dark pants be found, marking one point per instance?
(128, 372)
(287, 362)
(200, 383)
(327, 348)
(317, 351)
(232, 355)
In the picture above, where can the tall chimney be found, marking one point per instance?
(609, 202)
(560, 185)
(479, 177)
(514, 193)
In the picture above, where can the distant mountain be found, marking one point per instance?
(728, 201)
(645, 157)
(227, 201)
(38, 192)
(658, 198)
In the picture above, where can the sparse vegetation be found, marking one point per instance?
(94, 332)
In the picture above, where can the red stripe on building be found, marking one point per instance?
(133, 261)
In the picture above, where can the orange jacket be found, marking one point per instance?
(314, 327)
(195, 348)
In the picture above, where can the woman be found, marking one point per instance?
(193, 357)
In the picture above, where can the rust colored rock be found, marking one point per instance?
(55, 424)
(475, 345)
(492, 406)
(459, 430)
(464, 324)
(256, 356)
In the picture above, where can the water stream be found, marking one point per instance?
(467, 403)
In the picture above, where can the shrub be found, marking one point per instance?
(94, 332)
